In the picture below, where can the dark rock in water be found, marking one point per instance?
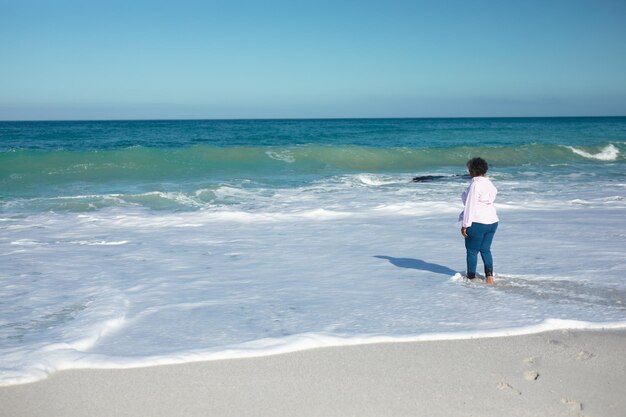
(424, 178)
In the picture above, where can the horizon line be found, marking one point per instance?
(301, 118)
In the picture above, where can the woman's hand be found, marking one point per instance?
(464, 231)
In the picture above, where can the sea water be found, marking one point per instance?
(134, 243)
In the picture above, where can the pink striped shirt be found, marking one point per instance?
(478, 199)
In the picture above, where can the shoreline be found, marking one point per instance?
(292, 344)
(558, 373)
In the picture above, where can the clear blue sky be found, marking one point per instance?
(114, 59)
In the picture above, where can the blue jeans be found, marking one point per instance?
(479, 238)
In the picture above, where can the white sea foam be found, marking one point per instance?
(425, 208)
(284, 156)
(99, 242)
(376, 180)
(27, 242)
(608, 153)
(177, 197)
(333, 262)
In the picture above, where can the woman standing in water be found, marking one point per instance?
(479, 218)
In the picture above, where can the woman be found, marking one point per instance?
(479, 218)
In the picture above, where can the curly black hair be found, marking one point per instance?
(477, 167)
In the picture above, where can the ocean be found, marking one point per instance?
(136, 243)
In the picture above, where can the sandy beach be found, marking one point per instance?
(558, 373)
(288, 210)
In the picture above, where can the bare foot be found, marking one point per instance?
(489, 279)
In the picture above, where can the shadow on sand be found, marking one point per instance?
(418, 264)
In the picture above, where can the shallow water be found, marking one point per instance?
(283, 235)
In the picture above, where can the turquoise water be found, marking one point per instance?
(378, 133)
(103, 158)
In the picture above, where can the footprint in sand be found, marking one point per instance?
(573, 405)
(531, 375)
(533, 360)
(583, 355)
(505, 386)
(556, 342)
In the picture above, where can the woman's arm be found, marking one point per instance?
(470, 206)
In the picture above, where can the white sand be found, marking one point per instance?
(560, 373)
